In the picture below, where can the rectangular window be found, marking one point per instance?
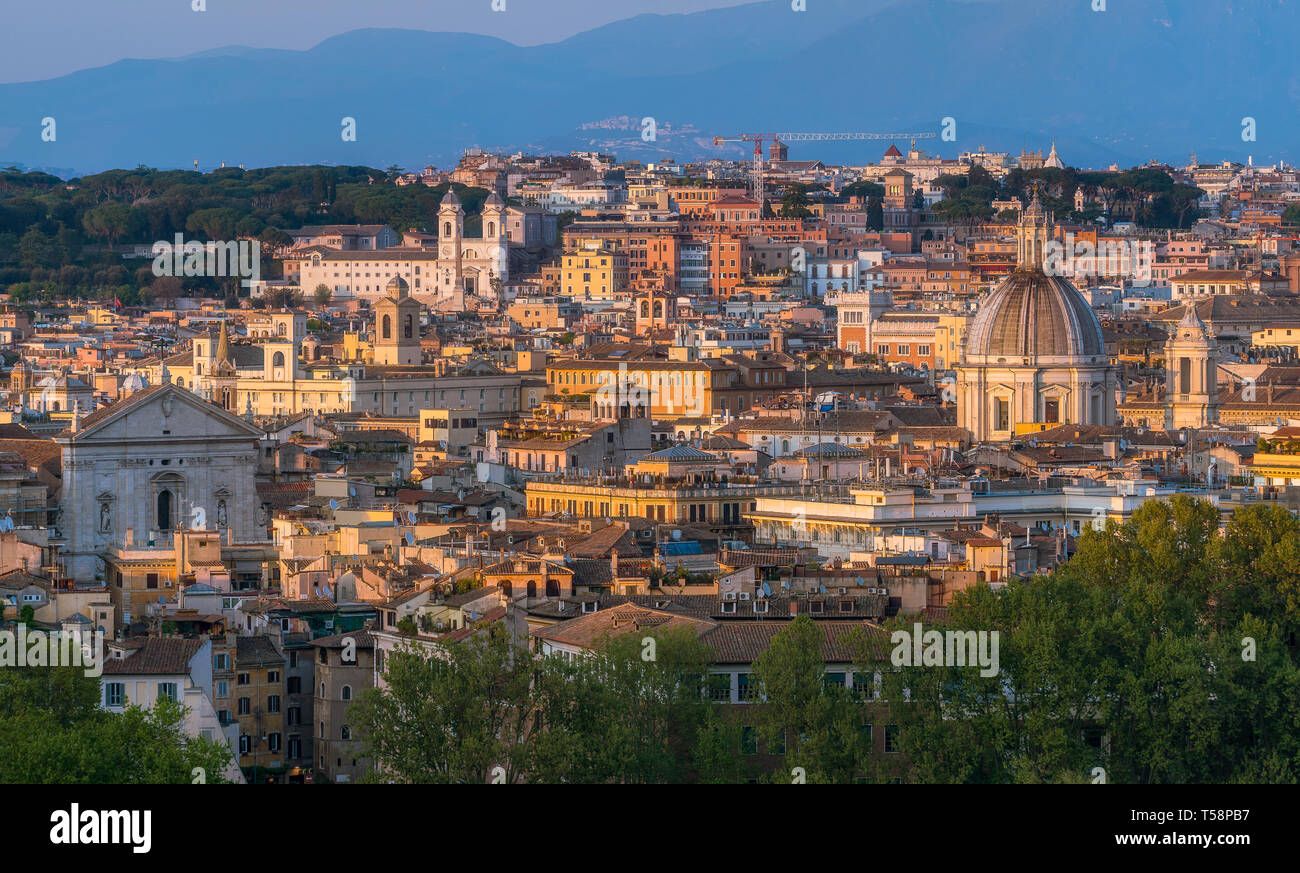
(1003, 415)
(273, 703)
(167, 691)
(113, 693)
(244, 707)
(748, 740)
(777, 746)
(891, 738)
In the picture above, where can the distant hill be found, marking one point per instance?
(1145, 78)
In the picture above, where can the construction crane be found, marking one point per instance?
(781, 138)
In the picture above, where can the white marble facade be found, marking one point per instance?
(161, 460)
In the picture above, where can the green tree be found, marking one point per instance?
(108, 221)
(452, 717)
(816, 722)
(54, 732)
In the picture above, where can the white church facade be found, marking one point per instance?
(457, 272)
(159, 461)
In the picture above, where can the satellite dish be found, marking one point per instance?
(860, 582)
(352, 491)
(334, 504)
(767, 590)
(823, 588)
(785, 583)
(410, 517)
(410, 538)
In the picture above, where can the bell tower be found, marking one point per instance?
(451, 235)
(1191, 374)
(397, 326)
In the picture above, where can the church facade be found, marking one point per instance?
(160, 461)
(447, 278)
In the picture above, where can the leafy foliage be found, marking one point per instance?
(53, 731)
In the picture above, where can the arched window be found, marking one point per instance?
(492, 228)
(446, 228)
(278, 360)
(164, 510)
(347, 692)
(388, 327)
(645, 308)
(408, 328)
(345, 732)
(282, 329)
(532, 588)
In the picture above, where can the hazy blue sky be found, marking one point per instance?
(45, 38)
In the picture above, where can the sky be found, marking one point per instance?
(42, 39)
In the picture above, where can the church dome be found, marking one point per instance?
(450, 199)
(397, 286)
(1033, 315)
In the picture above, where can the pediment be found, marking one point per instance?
(162, 412)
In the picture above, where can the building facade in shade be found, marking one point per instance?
(1035, 356)
(162, 460)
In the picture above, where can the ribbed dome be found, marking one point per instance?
(1033, 315)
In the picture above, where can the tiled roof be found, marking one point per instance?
(251, 650)
(740, 642)
(361, 638)
(168, 656)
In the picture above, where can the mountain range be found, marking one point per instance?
(1141, 79)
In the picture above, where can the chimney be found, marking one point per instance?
(128, 539)
(794, 607)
